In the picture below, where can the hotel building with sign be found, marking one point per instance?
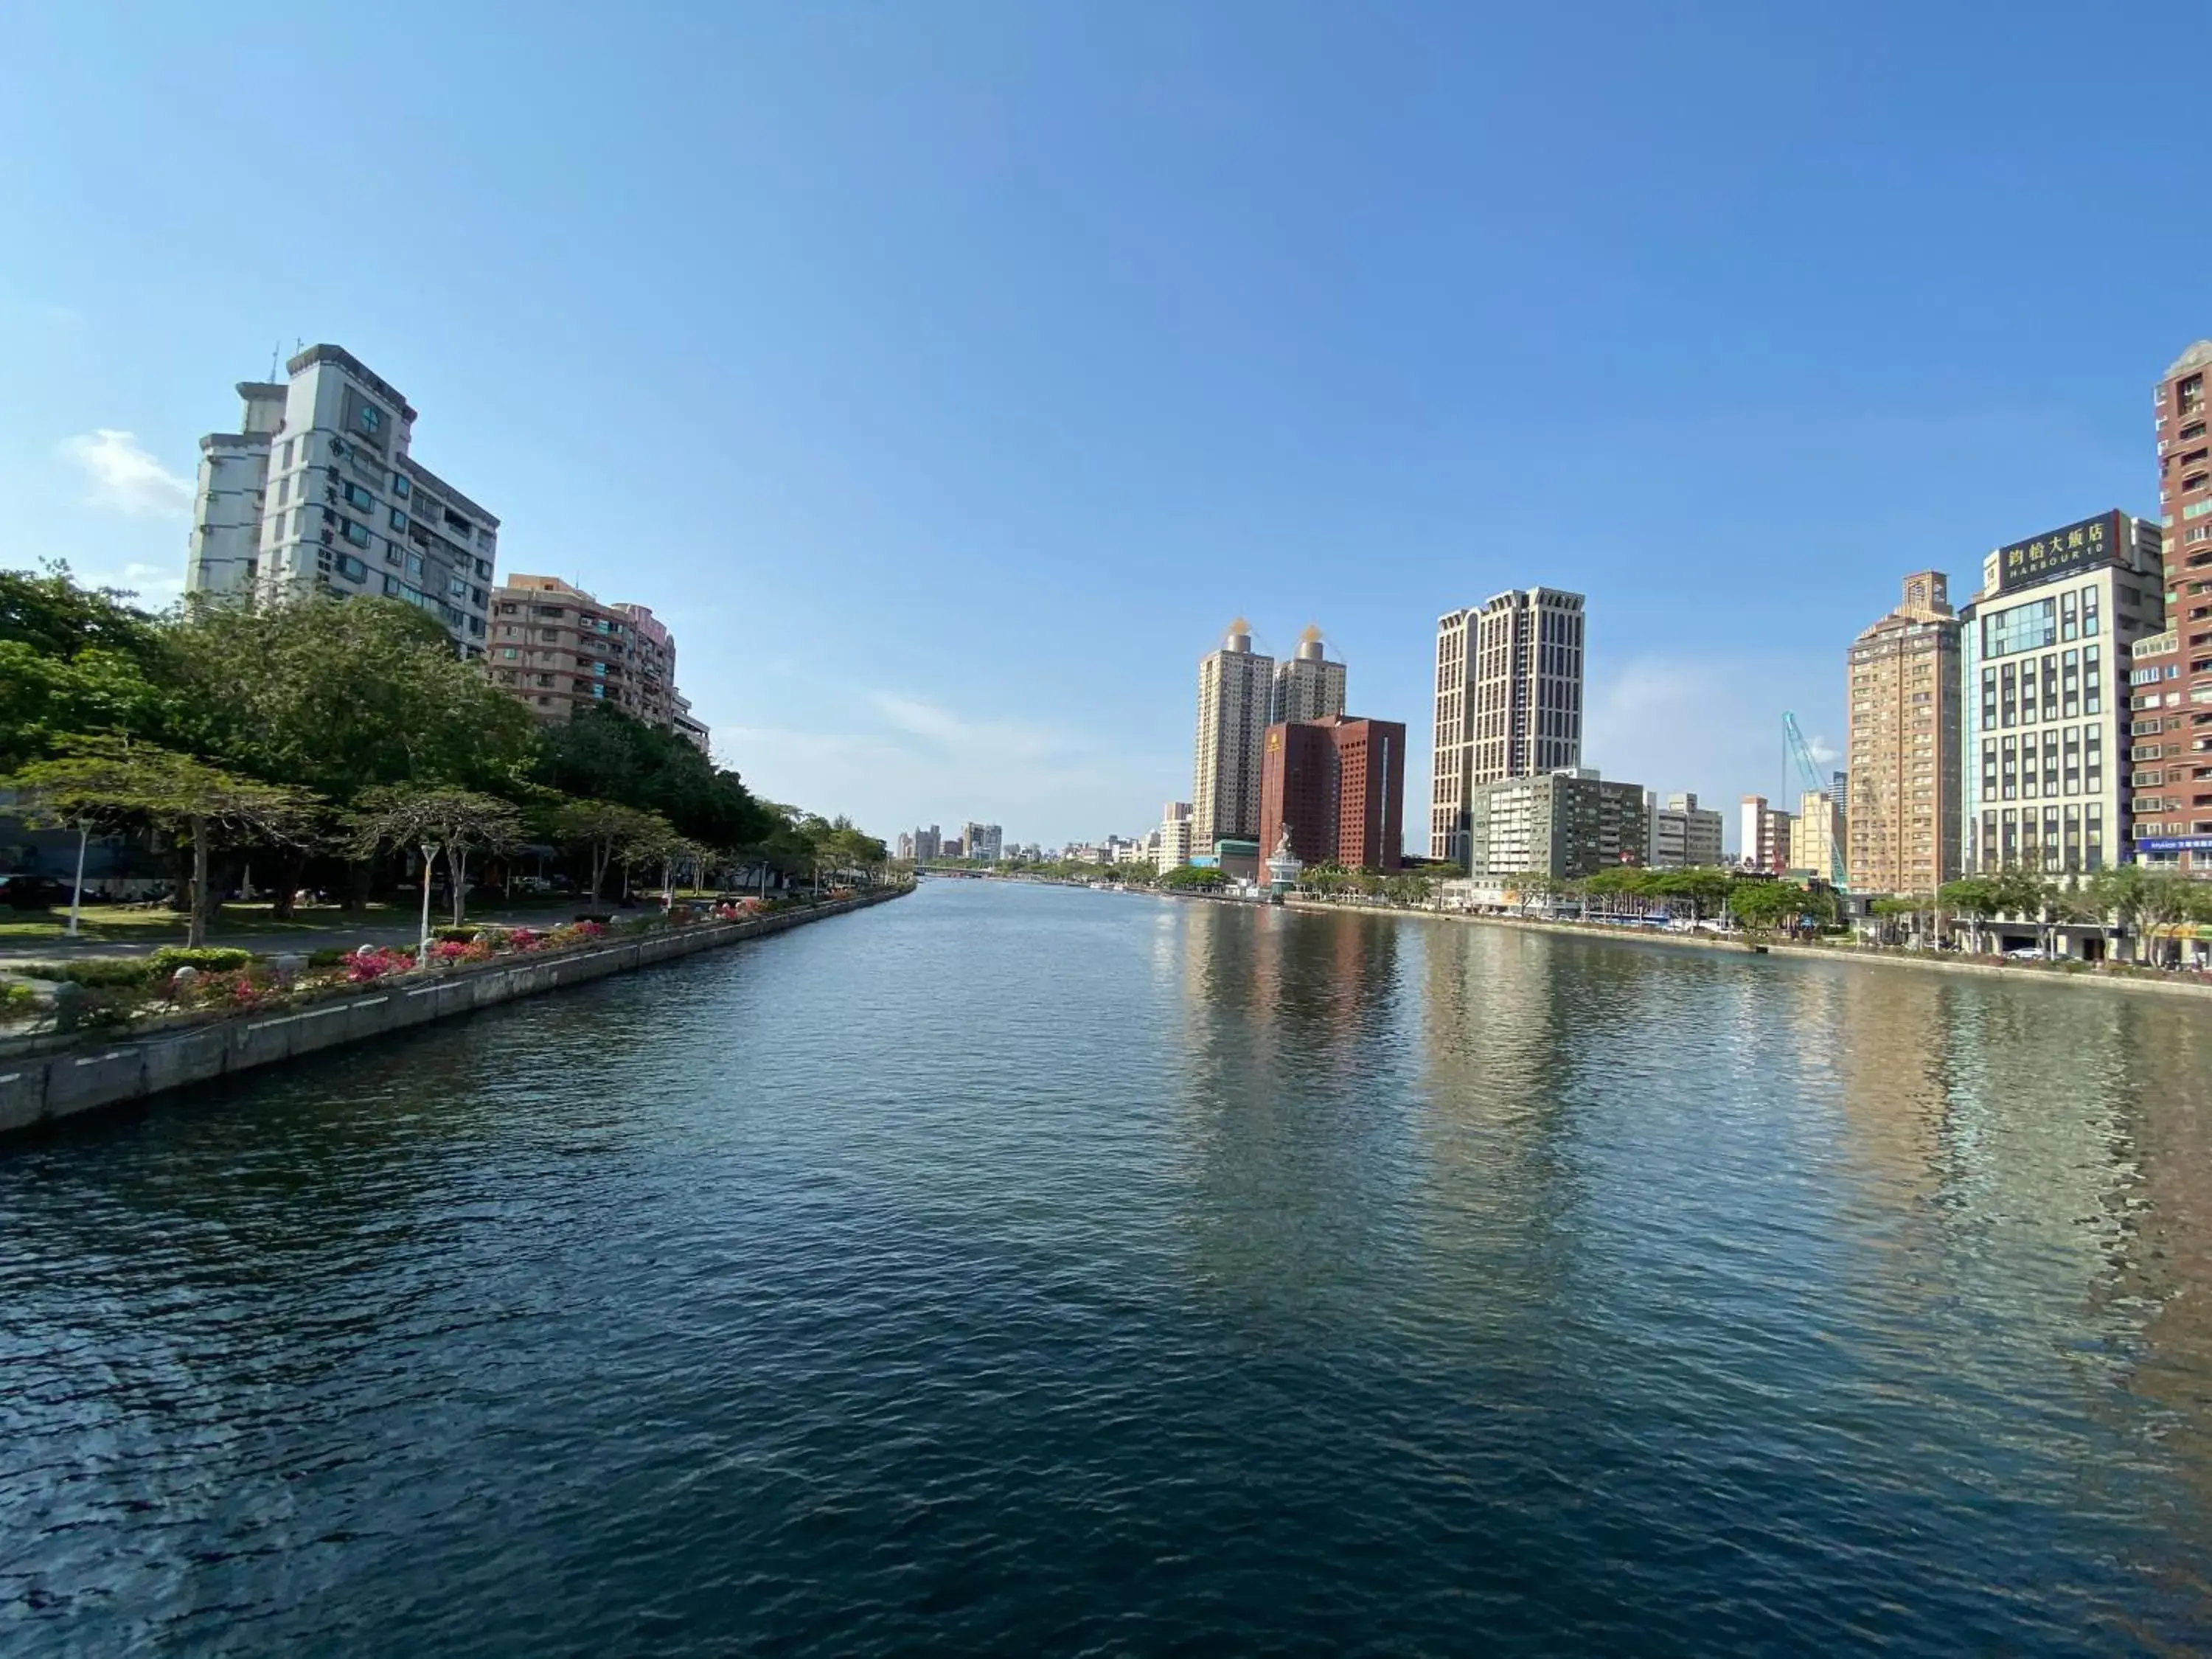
(2045, 650)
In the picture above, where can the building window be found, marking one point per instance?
(357, 497)
(414, 564)
(400, 487)
(355, 533)
(398, 519)
(508, 654)
(372, 419)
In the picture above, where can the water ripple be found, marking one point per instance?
(1039, 1271)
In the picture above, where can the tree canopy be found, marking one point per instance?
(355, 711)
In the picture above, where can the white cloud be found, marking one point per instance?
(979, 739)
(126, 478)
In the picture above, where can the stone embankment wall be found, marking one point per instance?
(93, 1074)
(2018, 973)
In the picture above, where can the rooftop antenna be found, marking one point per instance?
(275, 355)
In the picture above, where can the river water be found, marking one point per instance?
(1025, 1270)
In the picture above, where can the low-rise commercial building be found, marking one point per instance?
(1766, 832)
(1817, 842)
(1683, 835)
(1174, 848)
(1562, 824)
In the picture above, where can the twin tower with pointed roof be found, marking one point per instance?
(1275, 754)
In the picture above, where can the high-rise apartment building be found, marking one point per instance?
(1174, 850)
(1903, 820)
(1509, 702)
(1563, 825)
(929, 843)
(1763, 832)
(651, 664)
(982, 840)
(559, 649)
(905, 845)
(1338, 787)
(1308, 686)
(2045, 651)
(1235, 692)
(2170, 710)
(316, 492)
(1682, 834)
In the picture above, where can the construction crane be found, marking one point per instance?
(1802, 754)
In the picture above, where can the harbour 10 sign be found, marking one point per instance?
(2078, 547)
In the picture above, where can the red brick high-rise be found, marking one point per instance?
(2170, 701)
(1340, 784)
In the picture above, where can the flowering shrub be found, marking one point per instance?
(366, 965)
(447, 952)
(577, 932)
(524, 939)
(246, 988)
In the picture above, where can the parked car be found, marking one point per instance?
(2026, 953)
(31, 892)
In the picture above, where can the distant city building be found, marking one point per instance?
(952, 847)
(2173, 671)
(905, 845)
(1308, 686)
(1235, 690)
(1682, 835)
(1764, 831)
(316, 492)
(1562, 824)
(558, 649)
(1904, 818)
(928, 844)
(2050, 774)
(1174, 847)
(983, 841)
(1339, 786)
(1509, 702)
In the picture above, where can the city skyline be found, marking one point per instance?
(1330, 401)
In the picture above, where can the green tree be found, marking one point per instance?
(1190, 878)
(343, 696)
(1979, 899)
(605, 754)
(607, 832)
(1762, 906)
(74, 661)
(454, 823)
(208, 807)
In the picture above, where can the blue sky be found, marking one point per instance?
(948, 374)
